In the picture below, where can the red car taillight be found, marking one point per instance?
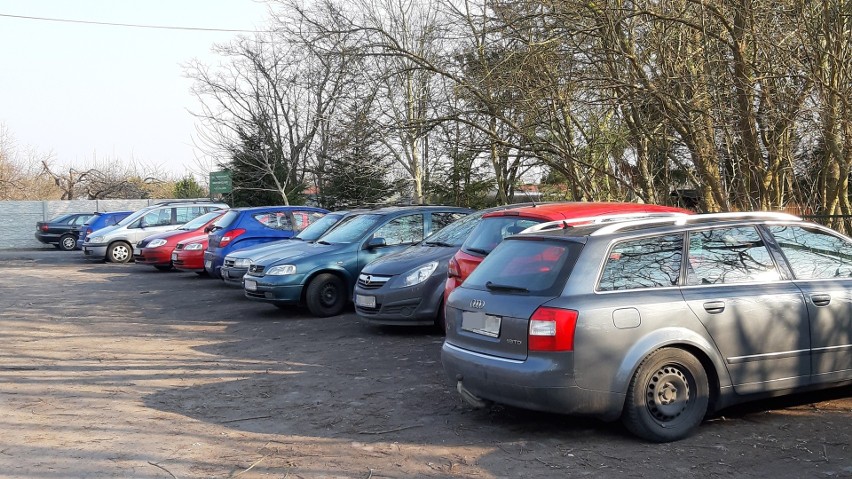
(453, 270)
(552, 329)
(230, 236)
(45, 228)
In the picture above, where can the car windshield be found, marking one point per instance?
(133, 217)
(319, 227)
(536, 267)
(200, 221)
(454, 233)
(491, 231)
(351, 230)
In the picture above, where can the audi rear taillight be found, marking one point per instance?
(453, 270)
(552, 329)
(230, 236)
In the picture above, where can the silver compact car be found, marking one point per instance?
(657, 321)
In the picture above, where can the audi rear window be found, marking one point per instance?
(531, 266)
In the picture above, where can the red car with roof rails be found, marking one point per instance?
(500, 224)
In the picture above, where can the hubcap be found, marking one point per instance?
(69, 243)
(329, 295)
(120, 253)
(667, 393)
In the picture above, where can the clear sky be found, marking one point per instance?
(80, 91)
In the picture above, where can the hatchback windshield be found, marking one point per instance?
(456, 232)
(318, 228)
(133, 217)
(491, 231)
(200, 221)
(525, 267)
(352, 230)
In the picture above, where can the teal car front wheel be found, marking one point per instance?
(326, 295)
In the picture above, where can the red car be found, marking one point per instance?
(497, 225)
(156, 250)
(188, 254)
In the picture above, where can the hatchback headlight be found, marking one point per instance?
(419, 275)
(245, 263)
(193, 247)
(281, 270)
(156, 243)
(96, 239)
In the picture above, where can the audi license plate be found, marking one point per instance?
(481, 323)
(365, 301)
(250, 285)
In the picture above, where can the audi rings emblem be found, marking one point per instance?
(477, 303)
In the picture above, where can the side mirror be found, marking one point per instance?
(376, 243)
(208, 228)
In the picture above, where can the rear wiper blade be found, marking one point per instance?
(478, 250)
(505, 287)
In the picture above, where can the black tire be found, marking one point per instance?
(668, 396)
(67, 243)
(326, 295)
(163, 267)
(119, 252)
(441, 319)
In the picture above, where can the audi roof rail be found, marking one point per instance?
(568, 222)
(679, 221)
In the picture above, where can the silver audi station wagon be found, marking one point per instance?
(655, 321)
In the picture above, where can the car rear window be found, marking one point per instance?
(226, 219)
(491, 231)
(526, 266)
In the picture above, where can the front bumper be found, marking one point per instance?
(413, 306)
(233, 276)
(153, 256)
(544, 383)
(95, 251)
(274, 289)
(188, 261)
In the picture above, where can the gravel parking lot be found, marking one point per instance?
(115, 370)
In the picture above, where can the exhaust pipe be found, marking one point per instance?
(470, 398)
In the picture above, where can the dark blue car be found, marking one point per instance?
(243, 227)
(323, 274)
(97, 221)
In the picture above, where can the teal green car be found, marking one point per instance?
(322, 274)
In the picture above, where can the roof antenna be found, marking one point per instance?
(532, 200)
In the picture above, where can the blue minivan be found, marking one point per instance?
(243, 227)
(99, 220)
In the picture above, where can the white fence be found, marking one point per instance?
(18, 218)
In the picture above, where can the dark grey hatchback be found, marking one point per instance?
(655, 321)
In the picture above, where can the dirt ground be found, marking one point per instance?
(123, 371)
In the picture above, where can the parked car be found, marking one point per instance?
(236, 264)
(188, 254)
(97, 221)
(655, 321)
(114, 243)
(243, 227)
(59, 231)
(156, 250)
(407, 288)
(497, 225)
(322, 274)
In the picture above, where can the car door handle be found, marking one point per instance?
(820, 299)
(714, 307)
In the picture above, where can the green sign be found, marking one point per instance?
(220, 182)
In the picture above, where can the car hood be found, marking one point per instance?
(104, 231)
(195, 239)
(171, 234)
(299, 251)
(409, 258)
(262, 250)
